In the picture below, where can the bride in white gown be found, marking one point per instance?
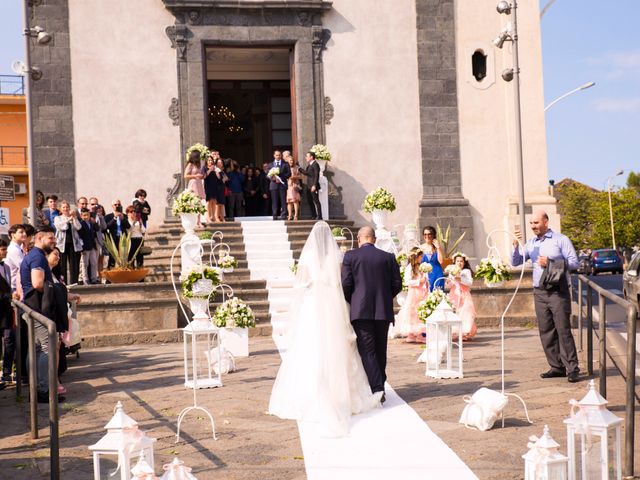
(321, 378)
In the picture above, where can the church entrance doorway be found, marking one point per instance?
(249, 102)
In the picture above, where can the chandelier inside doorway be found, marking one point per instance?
(223, 118)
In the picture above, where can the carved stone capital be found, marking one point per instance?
(328, 111)
(319, 43)
(179, 36)
(174, 111)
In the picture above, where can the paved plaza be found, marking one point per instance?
(253, 445)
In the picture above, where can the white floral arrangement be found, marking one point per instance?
(227, 261)
(234, 313)
(321, 152)
(402, 258)
(188, 202)
(198, 272)
(493, 270)
(203, 149)
(452, 270)
(273, 172)
(379, 199)
(427, 306)
(425, 267)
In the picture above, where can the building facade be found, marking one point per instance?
(407, 94)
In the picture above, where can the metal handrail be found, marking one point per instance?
(30, 316)
(16, 153)
(632, 313)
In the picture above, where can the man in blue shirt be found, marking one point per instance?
(236, 185)
(553, 307)
(51, 212)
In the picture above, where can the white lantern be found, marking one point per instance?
(199, 338)
(123, 439)
(543, 461)
(442, 326)
(593, 439)
(176, 470)
(142, 470)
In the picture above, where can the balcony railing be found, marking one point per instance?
(11, 85)
(13, 156)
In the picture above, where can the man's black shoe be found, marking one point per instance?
(43, 397)
(383, 398)
(553, 374)
(574, 377)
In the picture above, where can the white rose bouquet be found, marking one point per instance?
(234, 313)
(195, 273)
(227, 261)
(273, 172)
(427, 306)
(188, 202)
(379, 199)
(425, 267)
(452, 270)
(321, 152)
(493, 270)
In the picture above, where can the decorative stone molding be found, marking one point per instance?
(328, 111)
(179, 36)
(173, 192)
(320, 39)
(194, 17)
(174, 111)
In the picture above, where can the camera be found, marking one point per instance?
(119, 209)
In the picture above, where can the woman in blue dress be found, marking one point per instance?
(433, 255)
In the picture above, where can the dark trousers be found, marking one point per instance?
(553, 310)
(278, 203)
(372, 346)
(135, 243)
(235, 204)
(9, 351)
(314, 202)
(265, 204)
(70, 262)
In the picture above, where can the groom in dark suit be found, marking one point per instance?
(313, 185)
(370, 281)
(278, 186)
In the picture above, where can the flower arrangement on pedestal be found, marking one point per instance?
(188, 203)
(196, 273)
(234, 313)
(227, 263)
(203, 149)
(321, 152)
(493, 271)
(425, 267)
(427, 306)
(379, 199)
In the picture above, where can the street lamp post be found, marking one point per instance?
(613, 233)
(575, 90)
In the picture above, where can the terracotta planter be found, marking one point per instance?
(446, 262)
(125, 276)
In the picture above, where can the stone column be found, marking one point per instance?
(442, 201)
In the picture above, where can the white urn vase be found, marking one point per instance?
(322, 164)
(379, 217)
(199, 306)
(189, 221)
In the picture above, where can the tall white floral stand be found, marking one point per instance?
(323, 194)
(190, 245)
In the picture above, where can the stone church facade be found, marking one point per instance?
(393, 87)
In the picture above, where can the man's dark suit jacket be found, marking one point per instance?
(370, 281)
(88, 233)
(313, 175)
(285, 173)
(112, 225)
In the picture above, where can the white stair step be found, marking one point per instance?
(255, 259)
(271, 274)
(282, 282)
(262, 248)
(255, 237)
(281, 293)
(264, 262)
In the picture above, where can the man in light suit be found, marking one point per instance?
(313, 185)
(370, 280)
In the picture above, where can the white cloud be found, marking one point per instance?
(617, 64)
(617, 105)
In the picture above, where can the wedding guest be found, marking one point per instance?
(278, 186)
(51, 212)
(250, 192)
(221, 180)
(16, 253)
(293, 187)
(210, 187)
(117, 224)
(102, 229)
(264, 192)
(30, 232)
(459, 283)
(88, 234)
(137, 232)
(313, 185)
(6, 318)
(143, 209)
(81, 203)
(69, 242)
(434, 255)
(408, 324)
(193, 175)
(236, 185)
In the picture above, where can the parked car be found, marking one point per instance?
(605, 260)
(631, 280)
(584, 264)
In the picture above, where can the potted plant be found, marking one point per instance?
(427, 306)
(227, 262)
(322, 155)
(188, 206)
(123, 271)
(234, 317)
(198, 285)
(493, 271)
(449, 247)
(378, 203)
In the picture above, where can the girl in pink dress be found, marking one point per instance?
(194, 176)
(460, 294)
(407, 322)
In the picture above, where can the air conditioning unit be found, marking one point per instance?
(21, 188)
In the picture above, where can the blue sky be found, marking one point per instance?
(591, 134)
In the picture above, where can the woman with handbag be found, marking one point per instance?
(293, 187)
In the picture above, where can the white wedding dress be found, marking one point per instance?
(321, 378)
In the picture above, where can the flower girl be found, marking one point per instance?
(416, 278)
(460, 279)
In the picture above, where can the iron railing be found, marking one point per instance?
(632, 313)
(13, 156)
(11, 85)
(30, 316)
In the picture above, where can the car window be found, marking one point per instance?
(635, 261)
(607, 254)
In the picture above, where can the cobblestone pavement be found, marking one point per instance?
(253, 445)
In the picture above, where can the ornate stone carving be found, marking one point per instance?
(179, 36)
(174, 111)
(304, 19)
(194, 17)
(319, 44)
(172, 192)
(328, 111)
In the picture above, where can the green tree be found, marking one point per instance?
(626, 219)
(633, 181)
(576, 203)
